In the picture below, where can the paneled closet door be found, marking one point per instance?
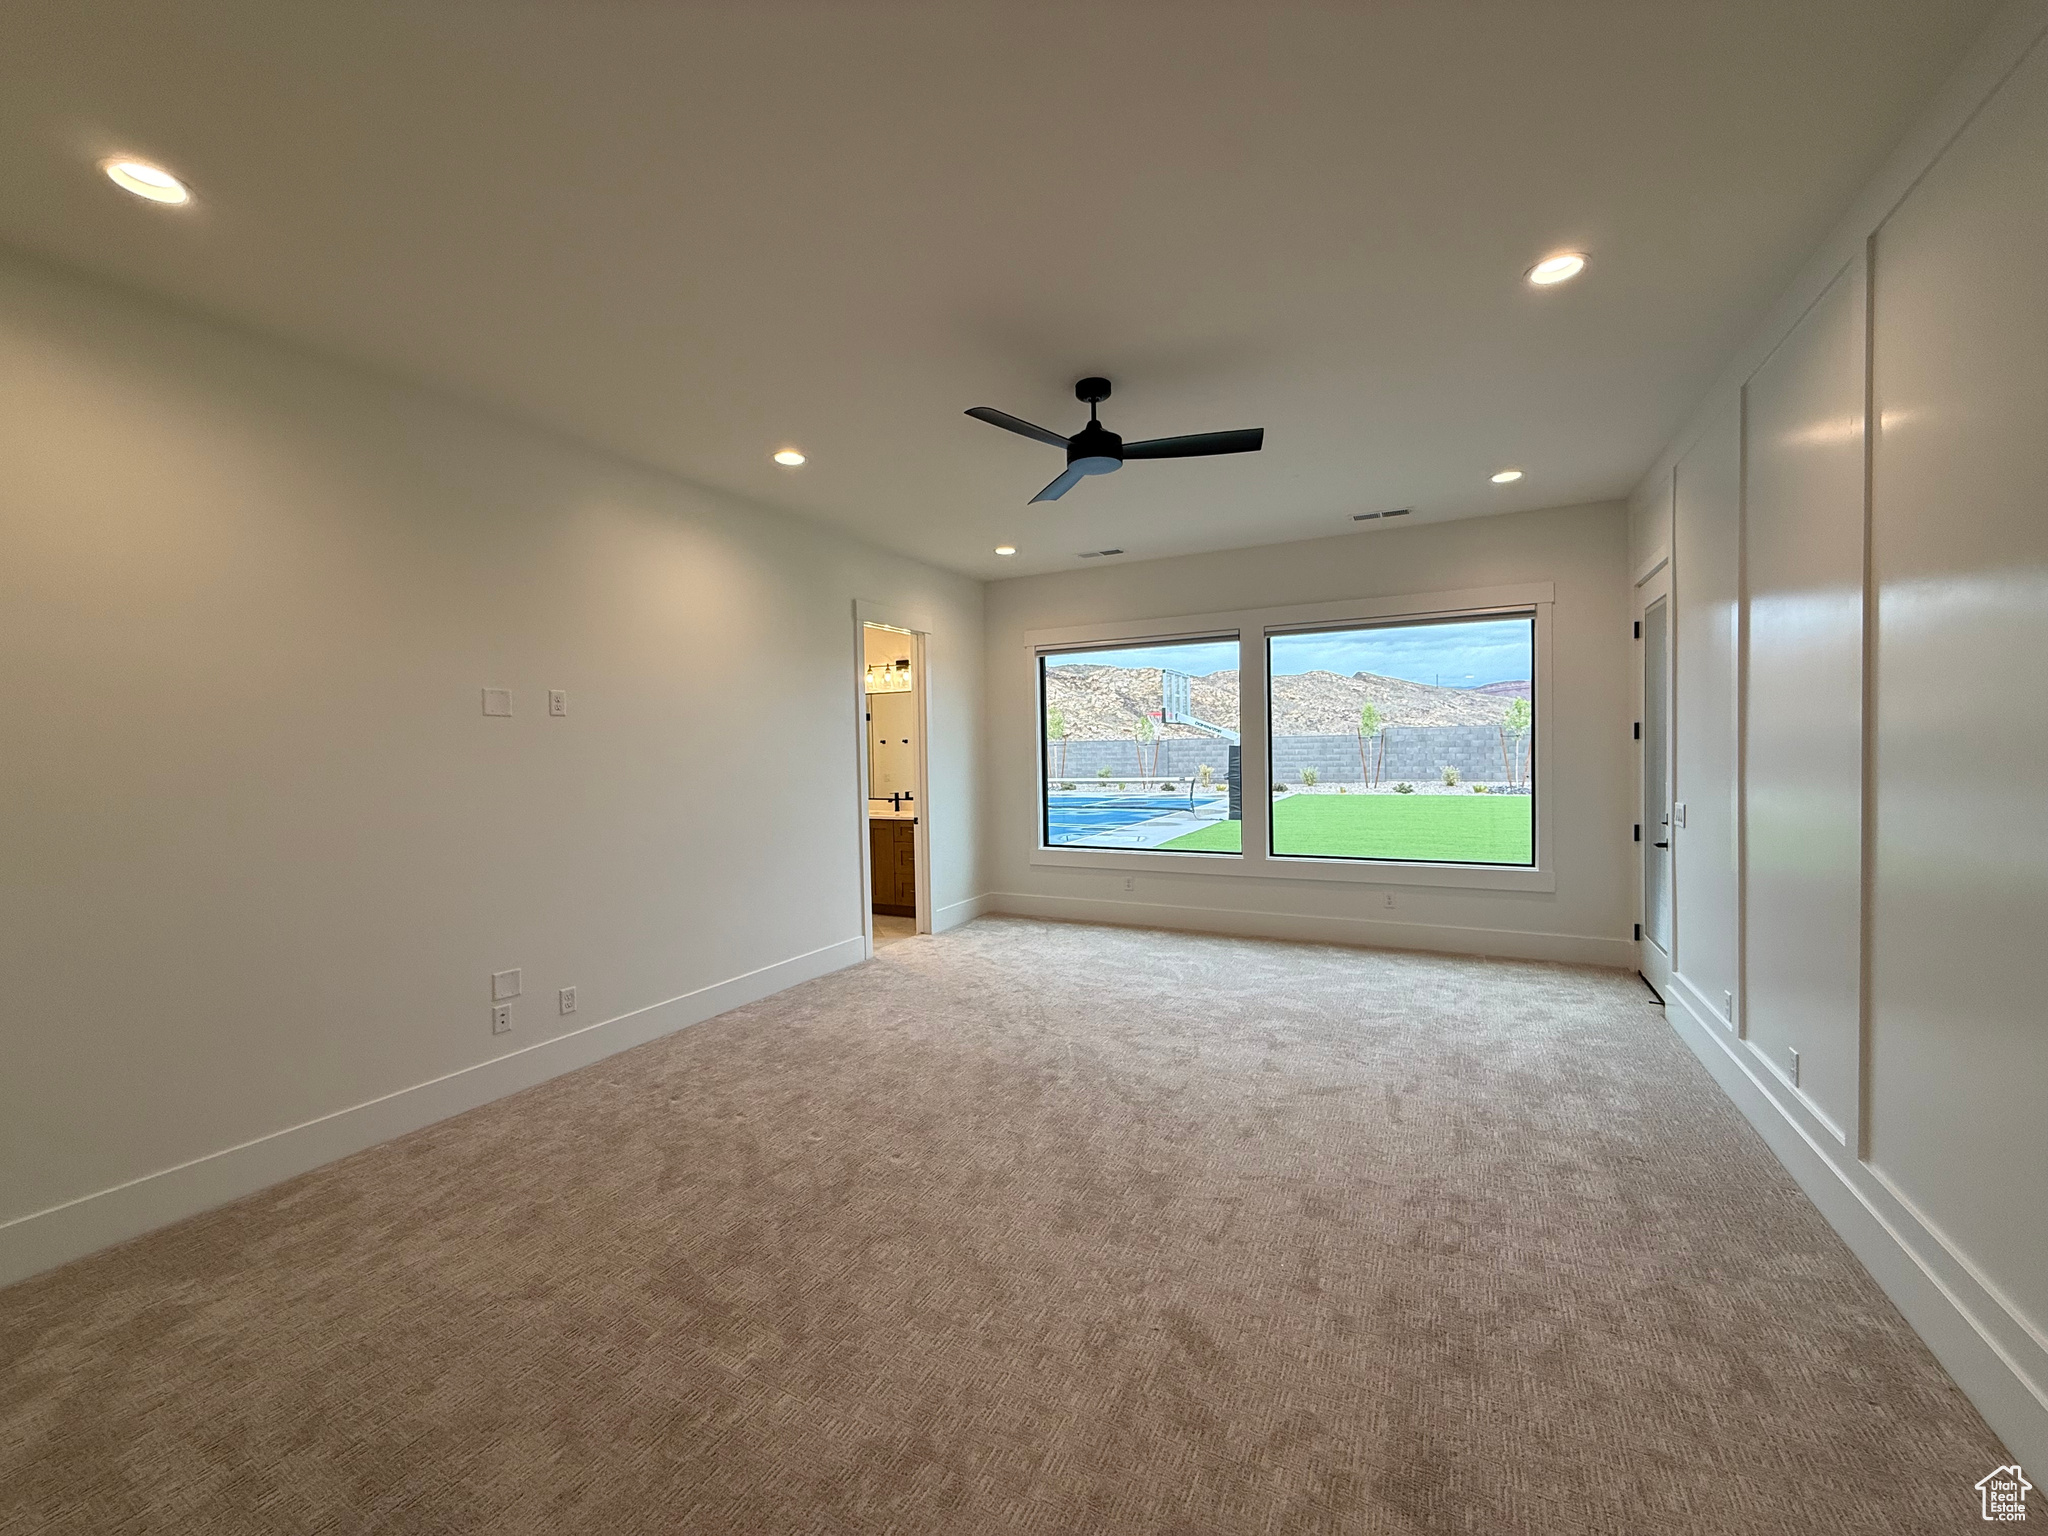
(1653, 829)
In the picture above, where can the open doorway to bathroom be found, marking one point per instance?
(896, 863)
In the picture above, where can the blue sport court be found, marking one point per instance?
(1072, 817)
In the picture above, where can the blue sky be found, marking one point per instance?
(1455, 655)
(1196, 658)
(1461, 655)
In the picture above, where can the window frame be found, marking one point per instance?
(1535, 697)
(1252, 627)
(1038, 655)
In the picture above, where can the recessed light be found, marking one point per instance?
(1561, 268)
(1006, 549)
(146, 180)
(789, 457)
(1506, 476)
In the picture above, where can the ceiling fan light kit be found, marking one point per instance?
(1095, 450)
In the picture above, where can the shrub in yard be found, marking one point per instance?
(1206, 775)
(1450, 776)
(1279, 789)
(1308, 778)
(1066, 786)
(1481, 789)
(1102, 773)
(1404, 789)
(1169, 789)
(1120, 784)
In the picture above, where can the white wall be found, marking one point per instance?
(1880, 451)
(263, 849)
(1583, 550)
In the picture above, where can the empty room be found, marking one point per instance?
(963, 768)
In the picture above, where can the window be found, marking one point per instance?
(1405, 741)
(1141, 747)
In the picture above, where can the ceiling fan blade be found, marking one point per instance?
(1198, 444)
(1016, 424)
(1070, 478)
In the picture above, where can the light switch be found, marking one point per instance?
(504, 984)
(558, 702)
(497, 701)
(1679, 808)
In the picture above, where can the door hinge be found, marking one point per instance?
(1639, 629)
(1639, 931)
(1639, 730)
(1639, 831)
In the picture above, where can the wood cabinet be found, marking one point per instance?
(892, 856)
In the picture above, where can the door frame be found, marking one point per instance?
(1653, 964)
(885, 617)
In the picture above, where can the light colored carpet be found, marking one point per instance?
(1028, 1227)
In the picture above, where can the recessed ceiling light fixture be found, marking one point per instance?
(1507, 477)
(145, 180)
(1561, 268)
(1006, 549)
(789, 458)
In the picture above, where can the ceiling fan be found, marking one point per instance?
(1095, 450)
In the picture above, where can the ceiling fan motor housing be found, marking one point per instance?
(1095, 450)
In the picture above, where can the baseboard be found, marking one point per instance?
(1997, 1359)
(1498, 943)
(958, 912)
(45, 1239)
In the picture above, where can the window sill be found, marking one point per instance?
(1256, 866)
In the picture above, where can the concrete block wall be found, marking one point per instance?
(1413, 752)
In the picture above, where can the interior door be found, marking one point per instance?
(1655, 908)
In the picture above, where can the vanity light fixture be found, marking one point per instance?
(145, 180)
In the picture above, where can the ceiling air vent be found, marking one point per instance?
(1367, 517)
(1097, 554)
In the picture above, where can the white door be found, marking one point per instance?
(1653, 827)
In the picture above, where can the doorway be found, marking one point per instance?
(895, 864)
(1654, 827)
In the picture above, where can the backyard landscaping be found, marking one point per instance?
(1463, 829)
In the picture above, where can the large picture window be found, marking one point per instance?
(1412, 742)
(1141, 747)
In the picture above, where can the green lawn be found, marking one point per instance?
(1465, 829)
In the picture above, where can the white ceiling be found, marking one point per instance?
(694, 233)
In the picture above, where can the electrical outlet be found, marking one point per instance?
(568, 999)
(1728, 1006)
(558, 702)
(504, 984)
(501, 1019)
(1130, 882)
(1390, 901)
(1789, 1051)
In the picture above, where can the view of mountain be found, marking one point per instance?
(1100, 703)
